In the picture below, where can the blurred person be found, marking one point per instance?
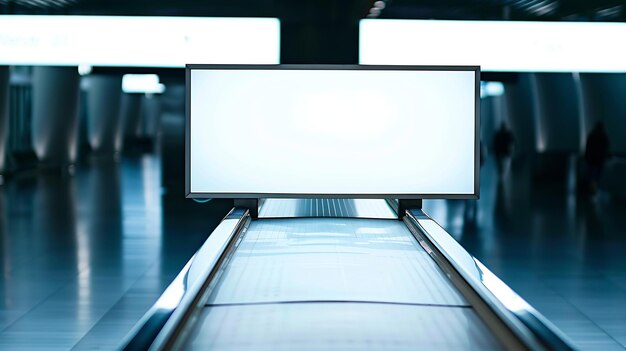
(503, 145)
(596, 154)
(482, 153)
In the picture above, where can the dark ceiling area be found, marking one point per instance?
(323, 10)
(525, 10)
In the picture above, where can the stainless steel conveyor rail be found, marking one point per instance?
(342, 274)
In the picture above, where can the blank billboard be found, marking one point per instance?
(351, 131)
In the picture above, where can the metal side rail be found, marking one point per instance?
(160, 326)
(501, 308)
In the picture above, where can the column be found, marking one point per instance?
(558, 113)
(130, 116)
(519, 104)
(151, 116)
(4, 116)
(55, 114)
(104, 128)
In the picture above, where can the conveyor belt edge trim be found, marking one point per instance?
(159, 327)
(522, 319)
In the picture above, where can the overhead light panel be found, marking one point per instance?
(497, 46)
(142, 83)
(137, 41)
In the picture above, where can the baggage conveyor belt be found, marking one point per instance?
(338, 283)
(335, 283)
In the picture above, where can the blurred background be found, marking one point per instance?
(93, 220)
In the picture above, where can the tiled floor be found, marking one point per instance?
(84, 256)
(566, 255)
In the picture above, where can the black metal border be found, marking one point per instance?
(189, 67)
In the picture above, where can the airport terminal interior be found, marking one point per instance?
(299, 210)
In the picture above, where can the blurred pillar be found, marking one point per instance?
(557, 113)
(55, 114)
(519, 104)
(487, 112)
(104, 127)
(4, 116)
(130, 115)
(603, 99)
(172, 139)
(151, 116)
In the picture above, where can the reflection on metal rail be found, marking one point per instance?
(522, 319)
(510, 318)
(158, 326)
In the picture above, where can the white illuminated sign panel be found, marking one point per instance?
(137, 41)
(362, 132)
(505, 46)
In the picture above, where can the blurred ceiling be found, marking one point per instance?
(529, 10)
(323, 10)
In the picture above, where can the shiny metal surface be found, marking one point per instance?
(357, 208)
(170, 308)
(340, 326)
(528, 323)
(332, 259)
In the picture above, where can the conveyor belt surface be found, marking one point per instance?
(346, 326)
(335, 283)
(339, 259)
(356, 208)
